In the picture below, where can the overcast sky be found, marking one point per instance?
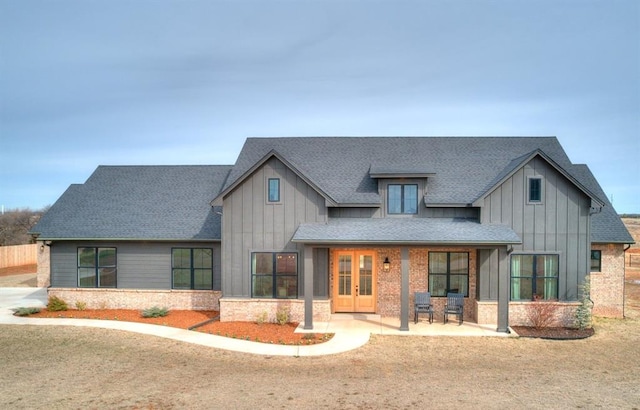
(107, 82)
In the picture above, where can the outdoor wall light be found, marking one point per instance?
(386, 264)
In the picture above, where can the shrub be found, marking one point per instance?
(26, 311)
(583, 312)
(80, 305)
(55, 304)
(541, 313)
(262, 318)
(155, 311)
(282, 316)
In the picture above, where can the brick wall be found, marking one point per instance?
(43, 275)
(607, 286)
(389, 283)
(139, 298)
(564, 313)
(248, 310)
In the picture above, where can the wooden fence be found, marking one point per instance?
(18, 255)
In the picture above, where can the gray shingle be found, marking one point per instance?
(339, 166)
(606, 226)
(139, 202)
(405, 230)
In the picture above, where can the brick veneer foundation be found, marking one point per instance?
(607, 286)
(248, 310)
(139, 298)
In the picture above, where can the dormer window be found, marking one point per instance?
(402, 199)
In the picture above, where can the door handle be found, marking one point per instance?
(356, 290)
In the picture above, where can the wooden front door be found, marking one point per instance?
(354, 284)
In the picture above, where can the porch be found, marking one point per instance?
(358, 323)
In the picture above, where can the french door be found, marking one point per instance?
(354, 283)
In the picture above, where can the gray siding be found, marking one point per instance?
(321, 273)
(250, 223)
(471, 213)
(560, 224)
(487, 277)
(141, 265)
(355, 212)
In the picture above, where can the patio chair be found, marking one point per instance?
(422, 304)
(454, 306)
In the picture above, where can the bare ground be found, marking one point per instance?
(64, 367)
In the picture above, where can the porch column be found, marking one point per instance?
(504, 281)
(404, 290)
(308, 287)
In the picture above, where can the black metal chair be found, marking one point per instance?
(454, 306)
(422, 304)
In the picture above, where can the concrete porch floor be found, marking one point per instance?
(375, 324)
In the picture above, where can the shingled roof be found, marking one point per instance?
(339, 166)
(606, 225)
(173, 202)
(139, 202)
(458, 231)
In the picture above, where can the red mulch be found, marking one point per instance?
(184, 319)
(554, 333)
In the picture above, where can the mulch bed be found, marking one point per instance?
(271, 333)
(553, 333)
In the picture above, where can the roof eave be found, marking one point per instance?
(53, 238)
(408, 243)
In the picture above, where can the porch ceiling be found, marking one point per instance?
(406, 231)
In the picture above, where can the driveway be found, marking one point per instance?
(11, 298)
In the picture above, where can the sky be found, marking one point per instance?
(139, 82)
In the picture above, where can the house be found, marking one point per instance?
(322, 225)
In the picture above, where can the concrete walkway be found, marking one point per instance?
(350, 331)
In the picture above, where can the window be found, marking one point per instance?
(97, 267)
(274, 275)
(192, 268)
(535, 189)
(596, 261)
(534, 277)
(402, 199)
(448, 272)
(274, 190)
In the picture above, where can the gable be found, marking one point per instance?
(273, 160)
(536, 160)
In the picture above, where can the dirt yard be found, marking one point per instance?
(63, 367)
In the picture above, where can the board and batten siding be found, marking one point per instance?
(141, 265)
(559, 224)
(252, 224)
